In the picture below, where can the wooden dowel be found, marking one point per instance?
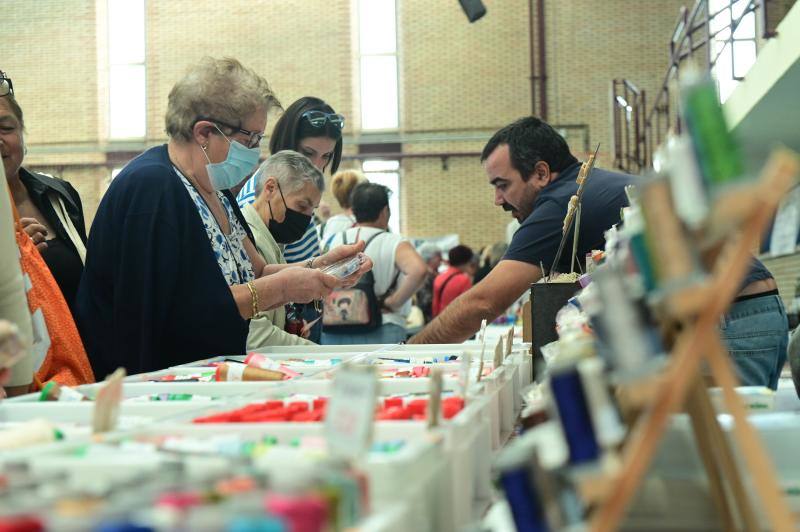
(707, 452)
(723, 453)
(759, 464)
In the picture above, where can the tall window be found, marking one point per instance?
(735, 51)
(378, 65)
(126, 52)
(387, 173)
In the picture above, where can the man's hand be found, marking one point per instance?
(36, 231)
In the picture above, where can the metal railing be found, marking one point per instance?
(637, 130)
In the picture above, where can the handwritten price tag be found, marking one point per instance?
(351, 411)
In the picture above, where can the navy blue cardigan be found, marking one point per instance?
(152, 294)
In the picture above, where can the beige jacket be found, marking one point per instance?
(13, 302)
(268, 329)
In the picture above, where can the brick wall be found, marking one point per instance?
(459, 81)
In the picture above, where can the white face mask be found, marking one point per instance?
(236, 166)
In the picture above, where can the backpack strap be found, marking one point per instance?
(444, 284)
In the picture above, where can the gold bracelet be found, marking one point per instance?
(254, 297)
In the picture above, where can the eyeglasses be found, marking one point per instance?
(6, 87)
(253, 137)
(318, 118)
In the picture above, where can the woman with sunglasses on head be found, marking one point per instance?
(172, 274)
(311, 127)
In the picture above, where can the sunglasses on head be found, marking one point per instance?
(318, 118)
(6, 87)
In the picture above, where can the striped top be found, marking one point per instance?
(302, 250)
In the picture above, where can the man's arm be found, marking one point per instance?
(486, 300)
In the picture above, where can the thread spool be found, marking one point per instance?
(674, 260)
(303, 514)
(233, 372)
(52, 391)
(516, 477)
(605, 418)
(573, 409)
(632, 350)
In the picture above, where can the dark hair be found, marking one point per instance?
(291, 128)
(531, 140)
(368, 200)
(16, 110)
(459, 255)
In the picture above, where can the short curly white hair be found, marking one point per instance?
(223, 89)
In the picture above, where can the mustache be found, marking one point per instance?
(508, 207)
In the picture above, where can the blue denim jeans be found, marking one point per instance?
(756, 333)
(388, 333)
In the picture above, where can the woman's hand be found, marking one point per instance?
(36, 231)
(339, 253)
(366, 266)
(303, 285)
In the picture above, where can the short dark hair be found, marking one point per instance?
(459, 255)
(531, 140)
(368, 200)
(291, 128)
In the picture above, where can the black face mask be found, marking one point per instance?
(293, 226)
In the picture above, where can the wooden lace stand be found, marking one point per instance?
(681, 385)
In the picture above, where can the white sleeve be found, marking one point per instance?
(13, 302)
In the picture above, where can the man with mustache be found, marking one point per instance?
(533, 173)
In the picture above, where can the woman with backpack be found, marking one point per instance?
(375, 310)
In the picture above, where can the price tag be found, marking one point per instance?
(106, 405)
(483, 350)
(463, 373)
(435, 397)
(498, 353)
(510, 341)
(351, 411)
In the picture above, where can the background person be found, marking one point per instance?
(432, 256)
(50, 209)
(399, 271)
(342, 186)
(454, 281)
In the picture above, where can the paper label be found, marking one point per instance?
(106, 405)
(435, 398)
(351, 411)
(235, 372)
(498, 353)
(510, 341)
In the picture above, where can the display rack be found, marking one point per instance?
(742, 214)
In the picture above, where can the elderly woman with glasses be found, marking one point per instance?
(172, 274)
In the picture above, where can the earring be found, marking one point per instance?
(204, 146)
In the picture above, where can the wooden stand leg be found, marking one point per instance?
(723, 455)
(758, 463)
(705, 448)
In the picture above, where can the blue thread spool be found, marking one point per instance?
(570, 400)
(517, 481)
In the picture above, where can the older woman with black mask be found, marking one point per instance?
(172, 274)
